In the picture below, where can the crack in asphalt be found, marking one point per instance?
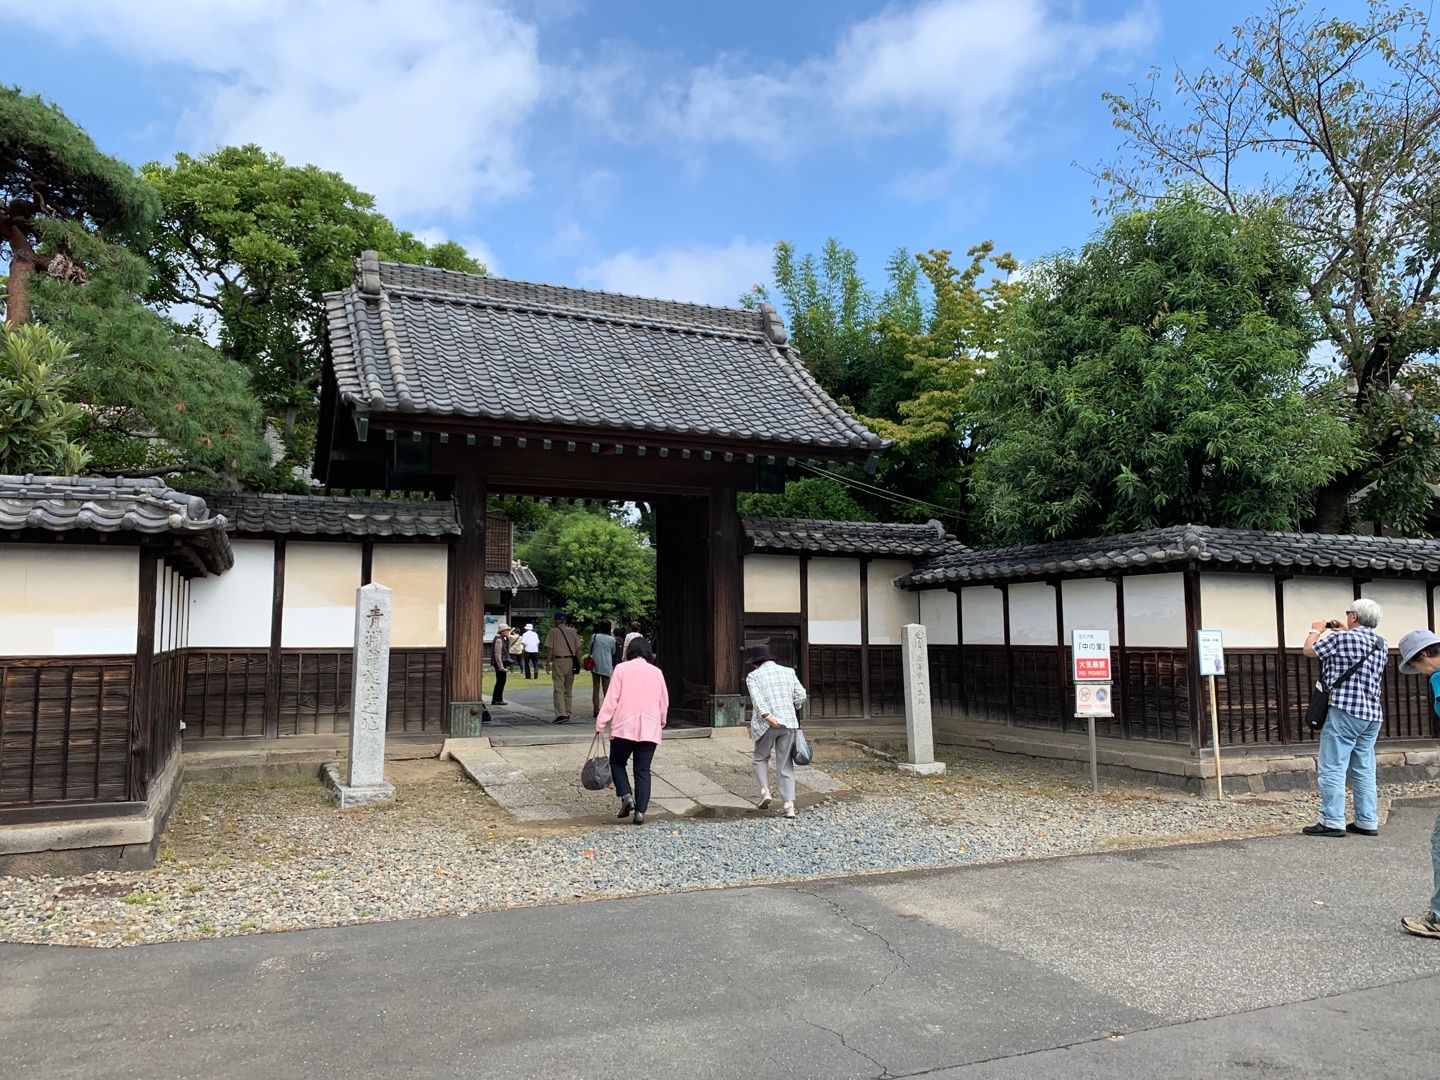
(883, 1074)
(845, 916)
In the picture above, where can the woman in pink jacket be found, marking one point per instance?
(634, 710)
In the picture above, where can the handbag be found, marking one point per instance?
(1318, 711)
(517, 646)
(800, 752)
(595, 773)
(588, 663)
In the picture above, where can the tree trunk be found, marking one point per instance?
(1332, 502)
(17, 287)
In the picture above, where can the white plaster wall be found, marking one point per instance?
(772, 583)
(1308, 599)
(1090, 605)
(1241, 606)
(163, 613)
(890, 607)
(415, 575)
(938, 613)
(68, 601)
(1032, 614)
(232, 610)
(320, 584)
(983, 613)
(834, 601)
(1403, 604)
(1155, 611)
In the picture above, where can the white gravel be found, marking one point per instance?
(302, 864)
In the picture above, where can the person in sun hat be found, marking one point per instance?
(775, 695)
(500, 657)
(1420, 655)
(530, 668)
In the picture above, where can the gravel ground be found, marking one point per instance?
(271, 857)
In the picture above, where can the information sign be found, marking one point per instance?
(1093, 699)
(1212, 652)
(1090, 650)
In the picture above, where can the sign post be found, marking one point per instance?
(1090, 654)
(1211, 647)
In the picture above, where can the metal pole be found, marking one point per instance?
(1215, 738)
(1094, 760)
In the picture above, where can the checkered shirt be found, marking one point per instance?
(774, 690)
(1359, 695)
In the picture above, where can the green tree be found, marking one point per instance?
(160, 401)
(38, 422)
(816, 497)
(54, 182)
(1156, 379)
(599, 567)
(1338, 120)
(253, 244)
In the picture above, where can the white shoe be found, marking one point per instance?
(789, 809)
(764, 797)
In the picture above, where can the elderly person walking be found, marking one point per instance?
(1420, 655)
(562, 657)
(602, 657)
(634, 709)
(530, 658)
(775, 695)
(1352, 658)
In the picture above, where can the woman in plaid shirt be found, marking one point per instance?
(775, 694)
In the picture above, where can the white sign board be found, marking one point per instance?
(492, 627)
(1093, 699)
(1090, 655)
(1212, 652)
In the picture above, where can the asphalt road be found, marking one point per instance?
(1272, 958)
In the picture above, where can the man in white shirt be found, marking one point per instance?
(530, 659)
(775, 695)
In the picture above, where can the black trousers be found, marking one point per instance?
(498, 694)
(531, 666)
(621, 751)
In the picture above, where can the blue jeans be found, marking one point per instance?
(1347, 744)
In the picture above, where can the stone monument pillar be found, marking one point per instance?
(364, 781)
(919, 737)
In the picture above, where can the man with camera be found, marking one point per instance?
(1352, 658)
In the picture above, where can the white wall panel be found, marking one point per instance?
(68, 601)
(415, 574)
(232, 610)
(834, 601)
(772, 583)
(320, 584)
(1155, 611)
(938, 613)
(890, 607)
(1089, 604)
(1403, 607)
(1032, 614)
(983, 612)
(1241, 606)
(1308, 599)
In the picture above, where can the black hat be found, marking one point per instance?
(758, 654)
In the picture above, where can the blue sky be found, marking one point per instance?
(657, 148)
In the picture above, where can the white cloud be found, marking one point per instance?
(422, 104)
(967, 67)
(697, 272)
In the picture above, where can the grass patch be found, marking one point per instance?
(143, 898)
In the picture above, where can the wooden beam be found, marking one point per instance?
(1009, 656)
(727, 591)
(865, 638)
(465, 593)
(1117, 688)
(509, 470)
(961, 699)
(1061, 675)
(1283, 690)
(277, 619)
(805, 620)
(1192, 658)
(367, 562)
(142, 684)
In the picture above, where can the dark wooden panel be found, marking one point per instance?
(1155, 697)
(835, 673)
(944, 679)
(1404, 698)
(887, 681)
(983, 680)
(417, 690)
(225, 692)
(168, 681)
(1038, 702)
(65, 730)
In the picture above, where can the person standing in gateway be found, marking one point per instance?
(531, 656)
(562, 656)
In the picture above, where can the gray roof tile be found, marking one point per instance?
(252, 513)
(435, 342)
(878, 539)
(114, 505)
(1215, 549)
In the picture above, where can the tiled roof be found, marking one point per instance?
(411, 339)
(112, 505)
(1215, 549)
(519, 577)
(787, 535)
(251, 513)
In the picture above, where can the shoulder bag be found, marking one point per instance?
(1318, 711)
(800, 752)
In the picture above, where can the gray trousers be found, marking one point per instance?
(780, 740)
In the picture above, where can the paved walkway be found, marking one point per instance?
(1276, 958)
(709, 776)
